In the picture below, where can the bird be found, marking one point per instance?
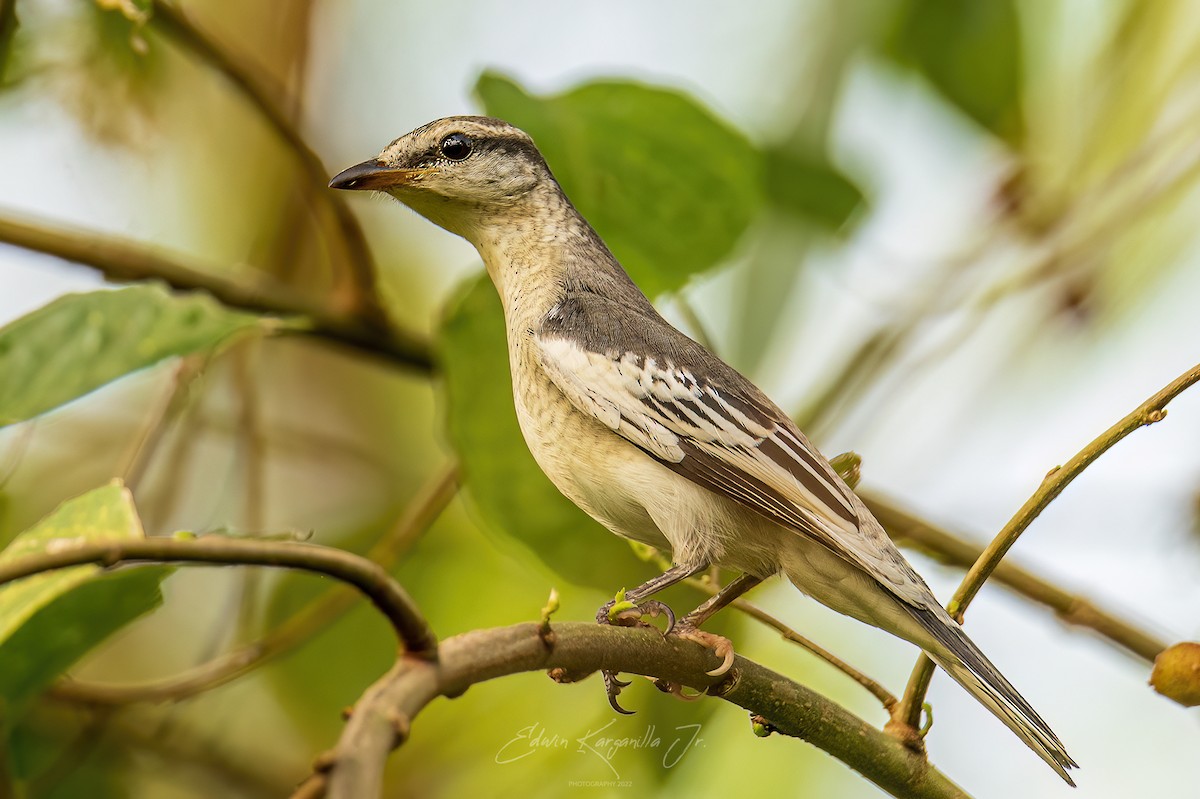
(651, 434)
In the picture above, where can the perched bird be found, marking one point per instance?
(648, 432)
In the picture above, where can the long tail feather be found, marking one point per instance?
(969, 667)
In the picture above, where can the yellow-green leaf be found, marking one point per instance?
(49, 620)
(79, 342)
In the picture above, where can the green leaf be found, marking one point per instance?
(811, 188)
(49, 620)
(505, 485)
(668, 185)
(8, 30)
(971, 51)
(79, 342)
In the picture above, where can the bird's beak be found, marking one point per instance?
(373, 174)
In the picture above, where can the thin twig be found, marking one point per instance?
(261, 92)
(121, 260)
(712, 587)
(908, 530)
(166, 409)
(884, 696)
(382, 717)
(1151, 411)
(251, 444)
(369, 578)
(300, 627)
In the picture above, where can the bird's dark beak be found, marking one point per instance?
(373, 174)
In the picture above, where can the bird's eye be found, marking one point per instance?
(456, 146)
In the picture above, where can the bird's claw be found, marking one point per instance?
(722, 647)
(625, 613)
(612, 687)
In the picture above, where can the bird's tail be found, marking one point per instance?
(969, 667)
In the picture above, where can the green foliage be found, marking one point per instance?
(8, 30)
(79, 342)
(971, 51)
(810, 188)
(50, 620)
(669, 186)
(503, 481)
(38, 751)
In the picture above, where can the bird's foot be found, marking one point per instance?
(721, 647)
(625, 613)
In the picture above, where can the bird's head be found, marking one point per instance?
(461, 173)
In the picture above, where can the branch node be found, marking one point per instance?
(324, 762)
(110, 557)
(1155, 415)
(905, 733)
(761, 727)
(563, 676)
(401, 726)
(544, 632)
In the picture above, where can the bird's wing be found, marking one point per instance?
(689, 410)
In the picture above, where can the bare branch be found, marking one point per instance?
(121, 260)
(884, 696)
(909, 531)
(1151, 411)
(380, 721)
(369, 578)
(261, 93)
(298, 629)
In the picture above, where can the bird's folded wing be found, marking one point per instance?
(733, 441)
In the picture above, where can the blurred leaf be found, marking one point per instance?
(8, 30)
(49, 737)
(971, 51)
(505, 485)
(810, 188)
(137, 11)
(669, 186)
(50, 620)
(848, 465)
(79, 342)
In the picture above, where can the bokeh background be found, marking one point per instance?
(957, 238)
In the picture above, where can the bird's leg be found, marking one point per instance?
(689, 626)
(629, 606)
(720, 600)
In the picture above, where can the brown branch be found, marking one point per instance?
(298, 629)
(121, 260)
(1151, 411)
(381, 719)
(945, 547)
(260, 92)
(369, 578)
